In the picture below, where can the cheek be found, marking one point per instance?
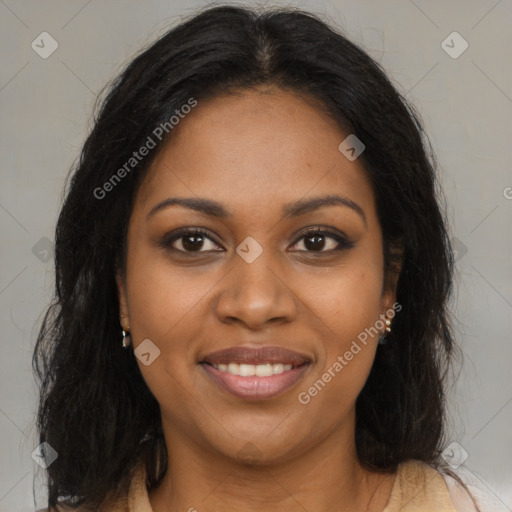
(346, 359)
(162, 298)
(348, 309)
(163, 303)
(347, 302)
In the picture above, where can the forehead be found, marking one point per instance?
(252, 150)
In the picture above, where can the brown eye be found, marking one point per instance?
(322, 241)
(192, 240)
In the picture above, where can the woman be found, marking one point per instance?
(252, 276)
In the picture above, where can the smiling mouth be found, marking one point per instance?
(255, 373)
(254, 387)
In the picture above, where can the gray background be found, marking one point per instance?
(466, 107)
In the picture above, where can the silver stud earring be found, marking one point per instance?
(126, 339)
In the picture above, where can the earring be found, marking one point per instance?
(382, 339)
(126, 338)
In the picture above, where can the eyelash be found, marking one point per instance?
(343, 242)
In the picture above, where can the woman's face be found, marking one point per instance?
(256, 280)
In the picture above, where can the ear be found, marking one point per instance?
(123, 303)
(391, 279)
(389, 295)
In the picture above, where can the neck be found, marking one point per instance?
(324, 478)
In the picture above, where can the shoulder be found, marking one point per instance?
(419, 485)
(460, 496)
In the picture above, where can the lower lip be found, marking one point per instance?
(255, 388)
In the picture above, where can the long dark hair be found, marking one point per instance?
(95, 408)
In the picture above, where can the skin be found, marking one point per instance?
(253, 152)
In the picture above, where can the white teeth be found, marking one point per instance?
(250, 370)
(247, 370)
(264, 370)
(277, 368)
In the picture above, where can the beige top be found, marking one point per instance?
(417, 488)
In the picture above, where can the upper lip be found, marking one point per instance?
(256, 355)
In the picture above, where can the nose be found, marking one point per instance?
(256, 294)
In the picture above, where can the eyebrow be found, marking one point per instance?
(290, 210)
